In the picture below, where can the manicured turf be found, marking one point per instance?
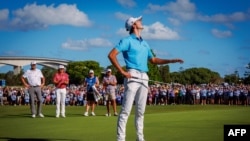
(162, 123)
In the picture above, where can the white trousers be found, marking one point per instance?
(60, 101)
(136, 90)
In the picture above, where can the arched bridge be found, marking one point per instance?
(18, 62)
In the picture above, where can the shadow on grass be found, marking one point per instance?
(49, 116)
(15, 116)
(34, 139)
(25, 116)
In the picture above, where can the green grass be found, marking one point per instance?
(171, 123)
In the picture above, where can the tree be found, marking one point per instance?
(11, 79)
(231, 79)
(247, 74)
(78, 70)
(48, 74)
(164, 73)
(196, 76)
(154, 73)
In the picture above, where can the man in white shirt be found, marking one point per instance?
(34, 80)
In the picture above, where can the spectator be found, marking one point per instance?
(80, 97)
(193, 93)
(220, 96)
(236, 96)
(248, 96)
(150, 97)
(19, 94)
(1, 96)
(231, 96)
(244, 96)
(67, 100)
(183, 95)
(26, 97)
(171, 92)
(203, 93)
(163, 95)
(14, 98)
(213, 92)
(53, 96)
(109, 83)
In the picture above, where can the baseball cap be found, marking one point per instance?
(60, 67)
(109, 70)
(130, 21)
(91, 71)
(33, 63)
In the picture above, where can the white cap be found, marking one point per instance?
(130, 21)
(33, 63)
(108, 70)
(61, 67)
(91, 71)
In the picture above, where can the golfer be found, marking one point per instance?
(136, 53)
(34, 80)
(61, 80)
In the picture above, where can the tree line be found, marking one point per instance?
(78, 70)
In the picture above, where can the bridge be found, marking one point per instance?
(18, 62)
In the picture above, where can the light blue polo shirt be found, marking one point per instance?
(136, 52)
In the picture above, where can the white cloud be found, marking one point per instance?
(186, 10)
(161, 53)
(4, 14)
(34, 16)
(122, 16)
(174, 21)
(86, 44)
(156, 31)
(182, 9)
(127, 3)
(221, 34)
(222, 18)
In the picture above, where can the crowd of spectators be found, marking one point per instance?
(199, 94)
(158, 95)
(76, 96)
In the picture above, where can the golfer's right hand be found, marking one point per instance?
(127, 75)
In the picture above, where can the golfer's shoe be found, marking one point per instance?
(41, 115)
(33, 116)
(63, 115)
(86, 114)
(108, 115)
(92, 114)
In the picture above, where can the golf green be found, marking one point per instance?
(162, 123)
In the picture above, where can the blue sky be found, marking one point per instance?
(204, 33)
